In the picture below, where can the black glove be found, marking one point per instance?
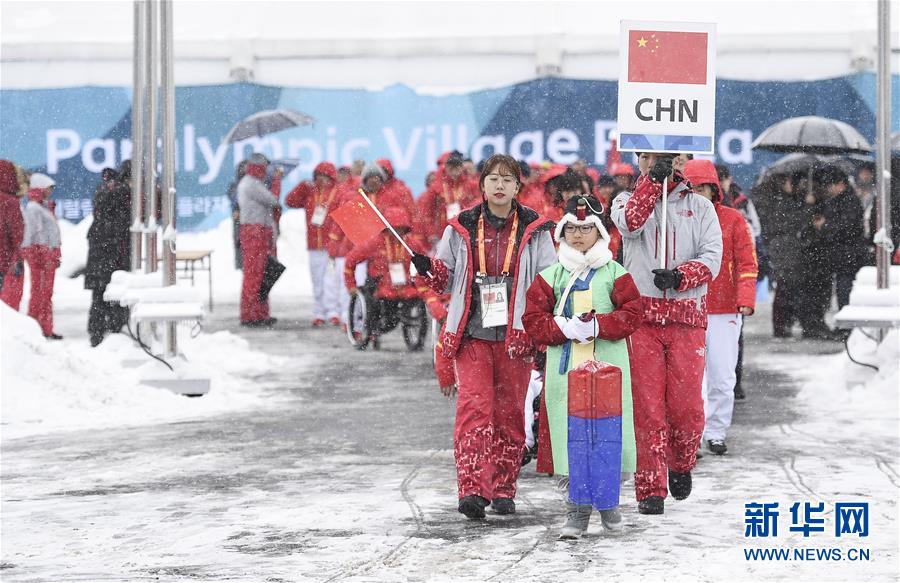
(661, 169)
(667, 278)
(422, 263)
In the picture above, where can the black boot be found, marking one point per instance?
(652, 505)
(679, 485)
(504, 505)
(739, 394)
(473, 506)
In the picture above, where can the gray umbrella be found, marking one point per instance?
(267, 122)
(813, 135)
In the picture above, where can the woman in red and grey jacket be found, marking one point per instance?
(258, 207)
(668, 350)
(731, 297)
(41, 250)
(487, 258)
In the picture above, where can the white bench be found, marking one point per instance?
(164, 312)
(151, 302)
(870, 307)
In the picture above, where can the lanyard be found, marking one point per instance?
(330, 197)
(455, 194)
(392, 250)
(482, 262)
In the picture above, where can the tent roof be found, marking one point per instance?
(469, 44)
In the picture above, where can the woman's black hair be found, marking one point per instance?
(569, 180)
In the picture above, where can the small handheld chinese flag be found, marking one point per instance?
(358, 220)
(656, 56)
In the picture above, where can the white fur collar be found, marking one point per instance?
(574, 260)
(578, 264)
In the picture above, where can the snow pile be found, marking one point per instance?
(845, 392)
(294, 284)
(52, 386)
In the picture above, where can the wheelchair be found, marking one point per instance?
(370, 317)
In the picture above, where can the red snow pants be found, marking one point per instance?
(42, 262)
(13, 287)
(667, 363)
(489, 436)
(256, 240)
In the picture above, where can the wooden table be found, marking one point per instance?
(189, 260)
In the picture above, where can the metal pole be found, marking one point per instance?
(883, 139)
(167, 76)
(137, 135)
(150, 200)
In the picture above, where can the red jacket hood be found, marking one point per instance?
(700, 172)
(9, 183)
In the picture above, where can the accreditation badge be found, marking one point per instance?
(494, 304)
(398, 273)
(318, 217)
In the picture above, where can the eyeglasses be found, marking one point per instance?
(583, 229)
(504, 179)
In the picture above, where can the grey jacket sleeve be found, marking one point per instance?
(709, 249)
(546, 252)
(446, 252)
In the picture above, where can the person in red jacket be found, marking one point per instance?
(319, 199)
(338, 246)
(533, 195)
(623, 174)
(450, 193)
(387, 267)
(41, 244)
(396, 192)
(12, 226)
(730, 298)
(258, 217)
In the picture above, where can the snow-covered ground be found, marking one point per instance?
(67, 385)
(309, 461)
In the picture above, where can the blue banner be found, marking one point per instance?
(72, 134)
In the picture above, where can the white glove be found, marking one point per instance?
(575, 329)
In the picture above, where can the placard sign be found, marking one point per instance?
(667, 87)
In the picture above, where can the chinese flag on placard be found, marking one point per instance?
(656, 56)
(358, 221)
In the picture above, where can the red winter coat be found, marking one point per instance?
(12, 226)
(308, 196)
(380, 251)
(432, 215)
(337, 244)
(735, 286)
(534, 197)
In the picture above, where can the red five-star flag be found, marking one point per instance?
(656, 56)
(358, 220)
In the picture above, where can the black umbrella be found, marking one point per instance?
(799, 162)
(812, 135)
(267, 122)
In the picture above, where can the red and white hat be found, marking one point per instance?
(582, 210)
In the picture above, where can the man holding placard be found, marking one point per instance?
(672, 245)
